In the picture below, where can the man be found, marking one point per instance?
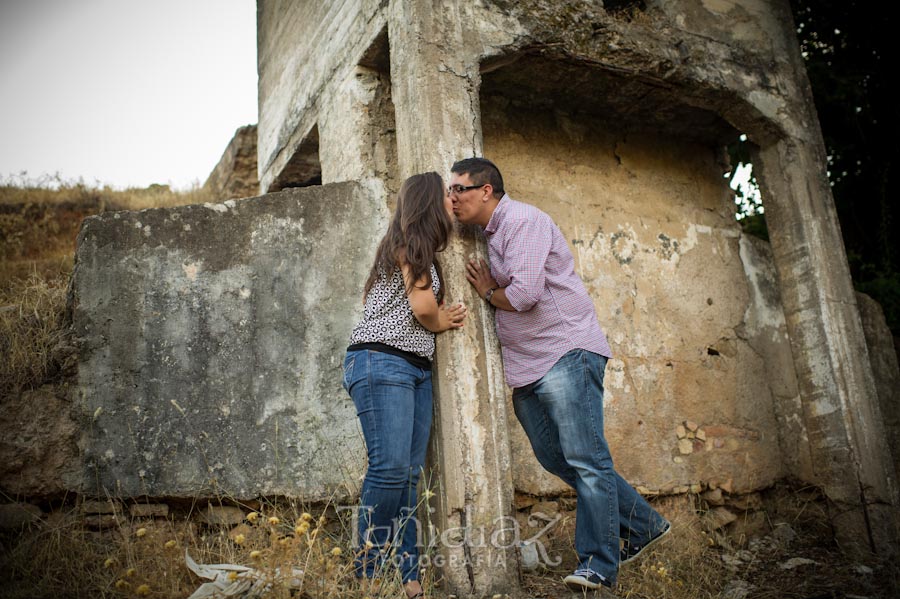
(554, 357)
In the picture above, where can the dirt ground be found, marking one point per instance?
(780, 548)
(777, 544)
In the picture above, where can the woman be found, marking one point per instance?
(387, 372)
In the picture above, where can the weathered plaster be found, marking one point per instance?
(650, 222)
(211, 339)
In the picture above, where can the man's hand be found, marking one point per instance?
(479, 275)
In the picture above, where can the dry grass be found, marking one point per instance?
(39, 220)
(683, 566)
(53, 190)
(32, 333)
(61, 557)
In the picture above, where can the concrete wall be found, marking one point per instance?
(689, 306)
(308, 52)
(235, 176)
(211, 338)
(881, 345)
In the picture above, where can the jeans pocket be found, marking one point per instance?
(347, 368)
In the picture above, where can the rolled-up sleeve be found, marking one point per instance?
(528, 244)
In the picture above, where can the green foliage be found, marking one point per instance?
(747, 201)
(850, 60)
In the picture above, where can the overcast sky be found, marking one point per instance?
(124, 92)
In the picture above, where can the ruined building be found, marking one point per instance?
(212, 335)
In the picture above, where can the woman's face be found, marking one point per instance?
(448, 203)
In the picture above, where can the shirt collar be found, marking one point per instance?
(497, 216)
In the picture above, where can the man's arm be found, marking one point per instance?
(525, 250)
(479, 275)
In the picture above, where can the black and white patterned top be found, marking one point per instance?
(389, 319)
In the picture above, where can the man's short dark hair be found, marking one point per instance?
(481, 171)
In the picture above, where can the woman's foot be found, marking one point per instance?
(414, 590)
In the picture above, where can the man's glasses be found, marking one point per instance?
(458, 189)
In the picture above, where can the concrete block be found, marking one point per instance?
(211, 339)
(149, 510)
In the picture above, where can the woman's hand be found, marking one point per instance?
(451, 317)
(436, 318)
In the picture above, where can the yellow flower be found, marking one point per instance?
(171, 544)
(140, 532)
(232, 576)
(121, 584)
(302, 528)
(322, 521)
(283, 542)
(252, 516)
(109, 563)
(336, 551)
(369, 544)
(427, 494)
(255, 554)
(130, 572)
(273, 521)
(306, 516)
(239, 539)
(143, 590)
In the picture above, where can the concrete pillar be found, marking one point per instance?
(356, 140)
(846, 434)
(847, 440)
(435, 83)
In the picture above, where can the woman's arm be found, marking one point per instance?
(430, 315)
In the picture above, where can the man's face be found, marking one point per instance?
(468, 204)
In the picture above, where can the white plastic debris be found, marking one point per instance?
(247, 583)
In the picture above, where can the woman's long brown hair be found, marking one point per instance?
(419, 229)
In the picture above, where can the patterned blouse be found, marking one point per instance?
(389, 318)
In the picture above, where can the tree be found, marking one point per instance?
(848, 51)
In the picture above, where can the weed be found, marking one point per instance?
(32, 335)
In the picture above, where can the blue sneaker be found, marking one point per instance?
(585, 579)
(630, 552)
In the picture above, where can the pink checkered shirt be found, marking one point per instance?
(554, 313)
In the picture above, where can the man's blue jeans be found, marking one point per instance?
(562, 414)
(393, 402)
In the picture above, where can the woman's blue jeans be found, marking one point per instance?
(393, 402)
(562, 414)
